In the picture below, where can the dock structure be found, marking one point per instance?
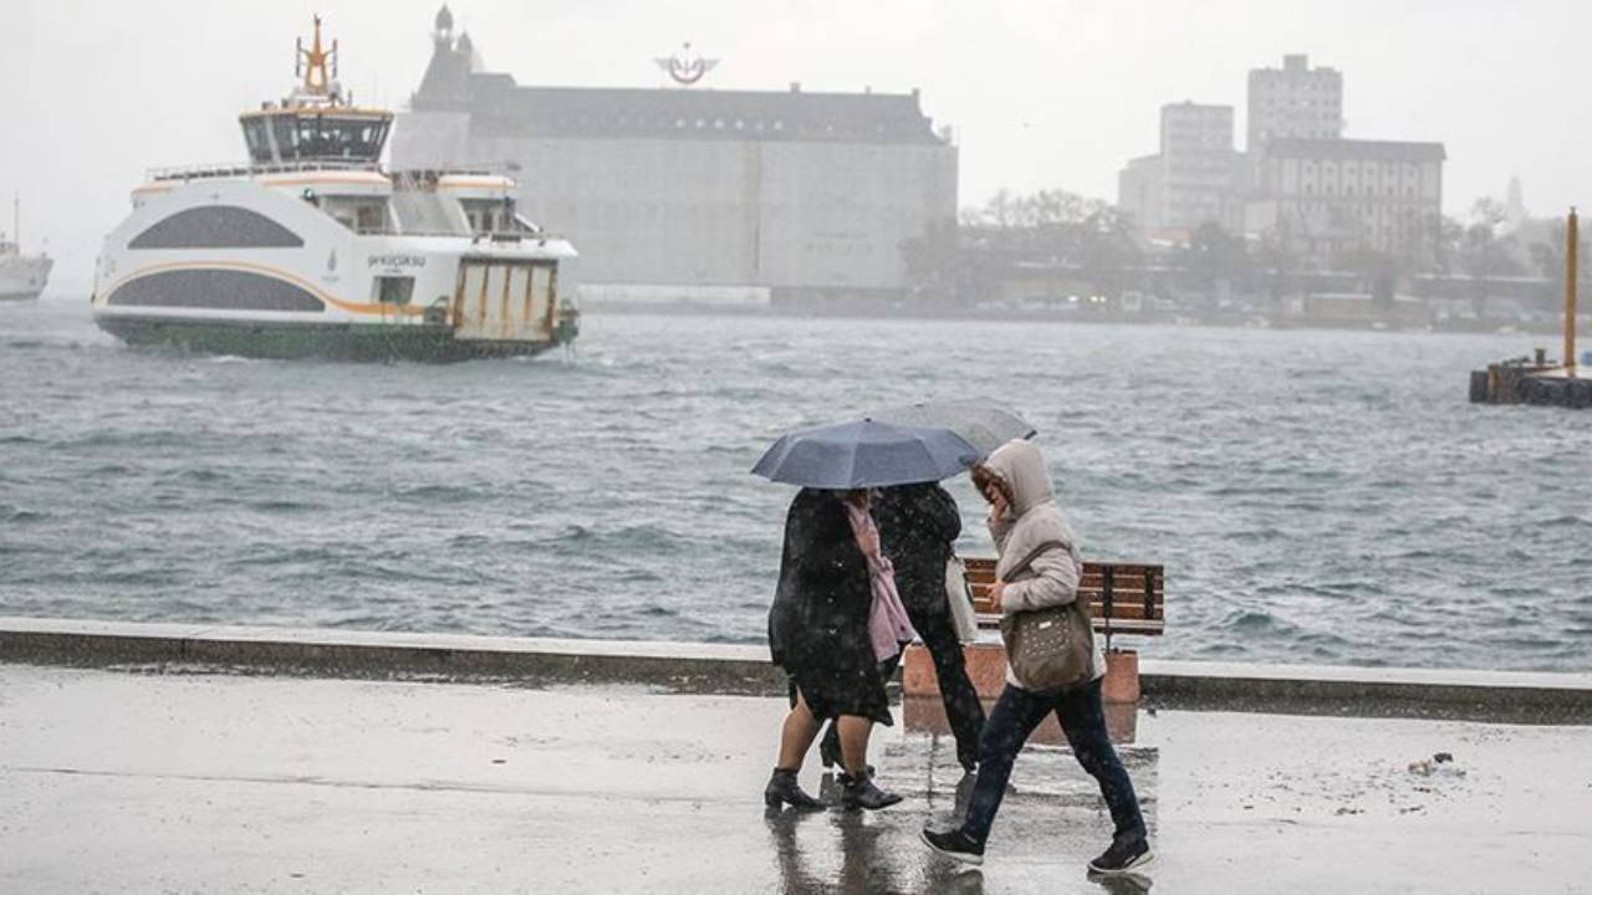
(1531, 382)
(1535, 382)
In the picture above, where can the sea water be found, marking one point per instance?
(1315, 496)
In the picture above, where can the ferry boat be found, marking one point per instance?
(313, 249)
(22, 276)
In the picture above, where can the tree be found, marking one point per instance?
(1212, 256)
(1485, 252)
(1109, 249)
(1275, 254)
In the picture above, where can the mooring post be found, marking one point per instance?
(1569, 357)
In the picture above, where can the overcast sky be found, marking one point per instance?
(1044, 94)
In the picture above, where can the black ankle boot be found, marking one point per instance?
(784, 787)
(858, 792)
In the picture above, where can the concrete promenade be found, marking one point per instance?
(172, 777)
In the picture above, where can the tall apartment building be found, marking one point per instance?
(1195, 178)
(1294, 102)
(1199, 166)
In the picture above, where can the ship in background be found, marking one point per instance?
(22, 276)
(312, 249)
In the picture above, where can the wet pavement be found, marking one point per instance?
(114, 782)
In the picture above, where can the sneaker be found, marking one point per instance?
(955, 844)
(1123, 854)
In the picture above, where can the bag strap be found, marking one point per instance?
(1035, 554)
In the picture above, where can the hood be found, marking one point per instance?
(1022, 466)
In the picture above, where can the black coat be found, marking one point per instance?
(918, 523)
(817, 629)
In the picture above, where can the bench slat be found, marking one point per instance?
(1123, 598)
(1101, 624)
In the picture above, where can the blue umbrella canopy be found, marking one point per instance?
(866, 454)
(984, 423)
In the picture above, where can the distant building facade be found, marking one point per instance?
(697, 194)
(1299, 180)
(1195, 179)
(1332, 198)
(1200, 168)
(1141, 191)
(1295, 101)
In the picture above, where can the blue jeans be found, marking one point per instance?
(1083, 719)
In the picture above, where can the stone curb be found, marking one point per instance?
(1517, 697)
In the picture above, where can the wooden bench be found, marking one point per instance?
(1123, 597)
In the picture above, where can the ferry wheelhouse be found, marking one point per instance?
(312, 249)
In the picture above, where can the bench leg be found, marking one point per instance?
(1122, 677)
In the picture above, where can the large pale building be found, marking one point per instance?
(1330, 199)
(697, 194)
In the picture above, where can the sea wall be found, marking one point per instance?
(1518, 697)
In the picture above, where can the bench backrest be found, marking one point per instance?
(1123, 597)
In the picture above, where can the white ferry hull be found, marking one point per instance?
(23, 277)
(292, 282)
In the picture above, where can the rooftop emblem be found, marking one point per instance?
(685, 66)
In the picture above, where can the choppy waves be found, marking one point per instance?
(1316, 497)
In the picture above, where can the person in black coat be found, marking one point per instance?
(817, 630)
(920, 523)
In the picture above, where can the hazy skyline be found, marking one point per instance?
(1038, 95)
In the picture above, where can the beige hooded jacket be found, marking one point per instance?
(1053, 576)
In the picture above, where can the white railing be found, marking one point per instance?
(242, 169)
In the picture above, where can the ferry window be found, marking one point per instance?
(369, 218)
(215, 226)
(215, 289)
(284, 134)
(255, 137)
(394, 289)
(312, 141)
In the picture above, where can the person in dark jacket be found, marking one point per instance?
(920, 523)
(818, 631)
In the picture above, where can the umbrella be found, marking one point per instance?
(865, 454)
(985, 424)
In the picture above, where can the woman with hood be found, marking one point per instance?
(835, 622)
(1040, 554)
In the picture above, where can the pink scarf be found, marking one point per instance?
(887, 622)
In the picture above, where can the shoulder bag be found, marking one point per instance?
(1050, 649)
